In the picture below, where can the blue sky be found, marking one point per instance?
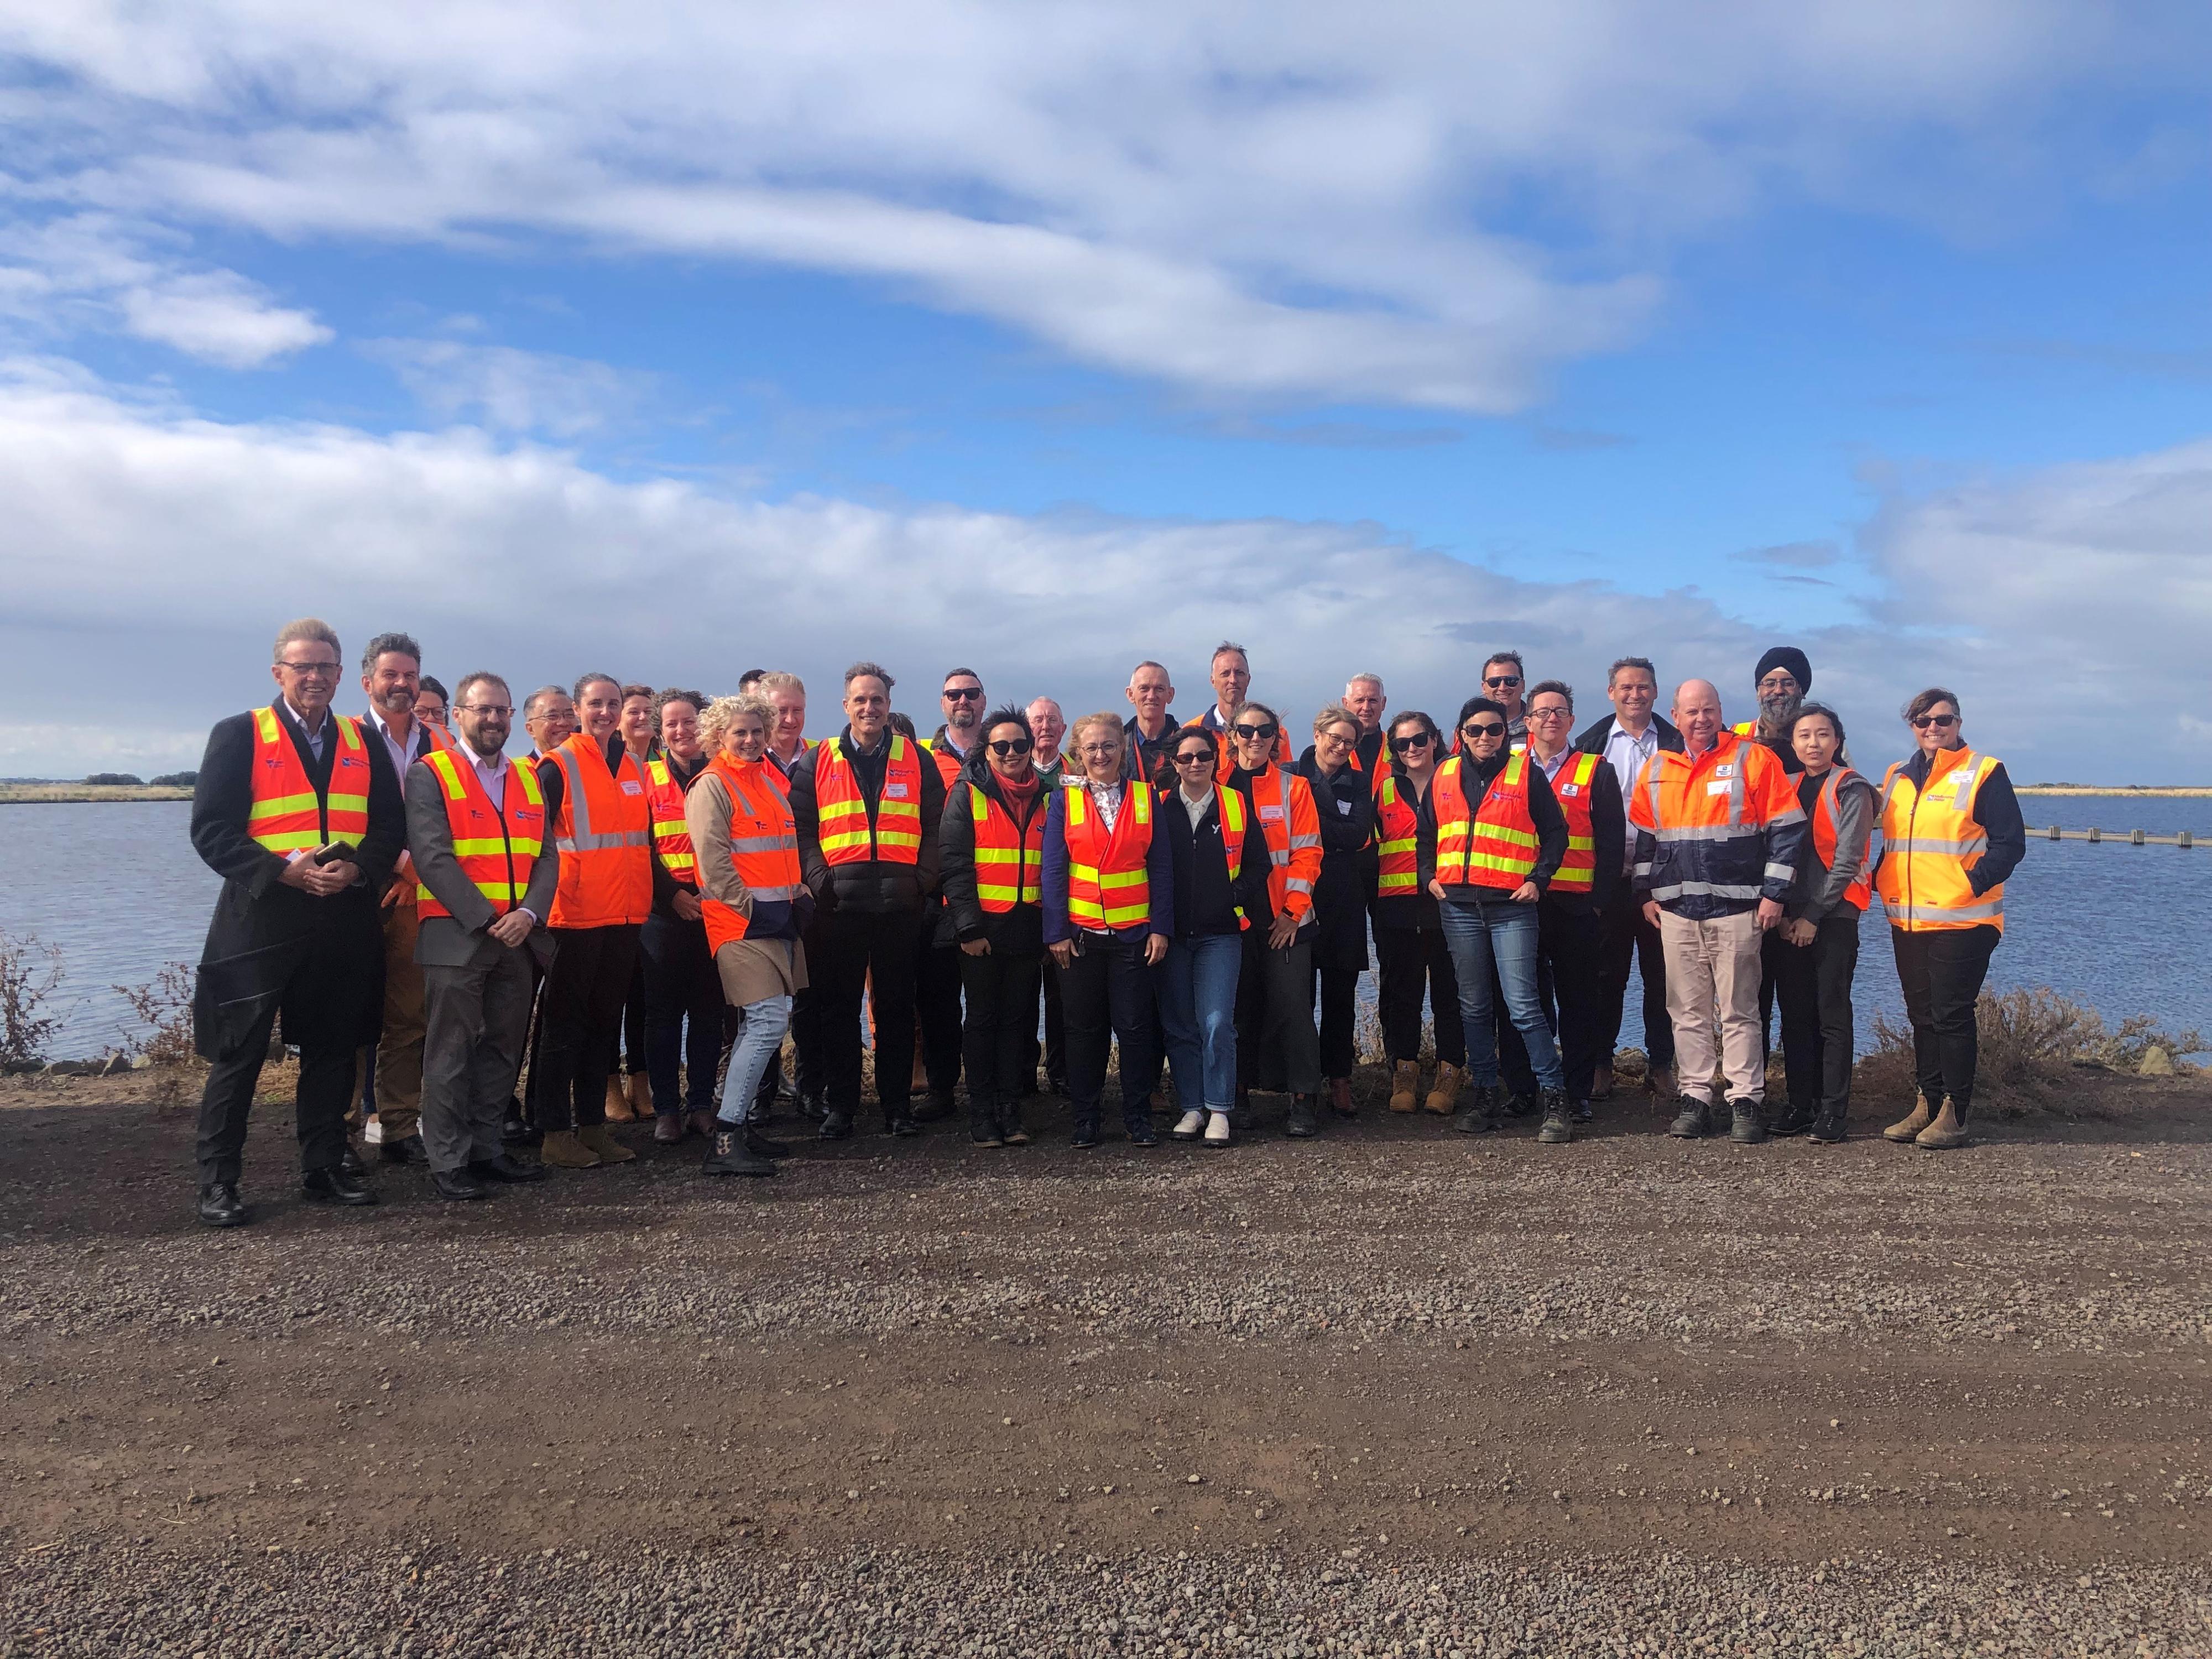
(1047, 338)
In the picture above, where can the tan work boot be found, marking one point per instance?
(1601, 1082)
(601, 1140)
(641, 1096)
(1444, 1093)
(1404, 1083)
(1340, 1097)
(1660, 1080)
(619, 1109)
(563, 1150)
(1908, 1128)
(1947, 1132)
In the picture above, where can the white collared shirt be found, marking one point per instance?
(402, 750)
(492, 774)
(1195, 808)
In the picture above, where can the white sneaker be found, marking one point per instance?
(1187, 1128)
(1217, 1129)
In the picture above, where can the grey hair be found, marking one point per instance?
(1375, 680)
(871, 670)
(529, 703)
(306, 628)
(777, 680)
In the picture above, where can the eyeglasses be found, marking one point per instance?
(1496, 680)
(1484, 730)
(963, 693)
(1550, 713)
(1923, 722)
(500, 708)
(1099, 750)
(1417, 740)
(1778, 682)
(1195, 758)
(1011, 745)
(1253, 733)
(310, 670)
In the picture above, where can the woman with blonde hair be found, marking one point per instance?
(1344, 801)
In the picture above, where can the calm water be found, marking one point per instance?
(116, 886)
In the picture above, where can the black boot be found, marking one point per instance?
(899, 1120)
(1744, 1128)
(1086, 1130)
(983, 1120)
(936, 1105)
(221, 1206)
(1010, 1124)
(1301, 1123)
(1827, 1125)
(728, 1155)
(1689, 1121)
(335, 1186)
(761, 1147)
(1477, 1114)
(1523, 1105)
(836, 1124)
(1559, 1121)
(1794, 1120)
(812, 1108)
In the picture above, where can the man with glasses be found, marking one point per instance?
(937, 973)
(549, 714)
(1503, 678)
(299, 813)
(1781, 682)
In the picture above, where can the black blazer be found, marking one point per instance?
(265, 937)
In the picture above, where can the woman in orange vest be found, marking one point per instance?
(1109, 915)
(1820, 929)
(1412, 959)
(1500, 836)
(1276, 1045)
(602, 824)
(680, 982)
(991, 850)
(629, 1091)
(1344, 801)
(753, 907)
(1951, 834)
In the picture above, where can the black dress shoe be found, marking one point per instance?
(335, 1187)
(457, 1184)
(761, 1147)
(812, 1108)
(897, 1120)
(517, 1131)
(1144, 1136)
(220, 1205)
(937, 1105)
(504, 1168)
(835, 1125)
(1085, 1137)
(410, 1151)
(1794, 1120)
(351, 1164)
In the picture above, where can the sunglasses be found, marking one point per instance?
(963, 693)
(1195, 758)
(1502, 679)
(1011, 745)
(1483, 730)
(1924, 721)
(1417, 740)
(1253, 733)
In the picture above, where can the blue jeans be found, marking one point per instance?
(760, 1034)
(1505, 936)
(1197, 1009)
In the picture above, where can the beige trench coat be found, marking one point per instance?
(751, 968)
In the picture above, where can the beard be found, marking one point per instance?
(1776, 710)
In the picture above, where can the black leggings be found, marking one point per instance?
(1000, 1031)
(578, 1022)
(1942, 974)
(1407, 962)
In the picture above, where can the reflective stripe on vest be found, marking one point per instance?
(499, 864)
(764, 845)
(1009, 862)
(1577, 871)
(671, 838)
(604, 834)
(287, 815)
(1824, 833)
(1106, 878)
(1930, 843)
(1397, 841)
(843, 828)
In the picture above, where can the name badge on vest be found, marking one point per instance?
(1344, 809)
(1717, 789)
(1569, 789)
(1271, 815)
(632, 787)
(894, 792)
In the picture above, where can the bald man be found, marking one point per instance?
(1718, 835)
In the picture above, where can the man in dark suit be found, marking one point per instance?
(475, 956)
(1627, 739)
(302, 818)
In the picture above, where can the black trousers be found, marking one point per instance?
(1340, 1011)
(805, 1041)
(1942, 974)
(1055, 1035)
(1276, 1044)
(1571, 943)
(998, 1036)
(681, 984)
(1408, 963)
(937, 982)
(1629, 939)
(1106, 996)
(579, 1020)
(628, 1050)
(874, 951)
(326, 1074)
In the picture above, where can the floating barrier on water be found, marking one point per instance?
(2135, 837)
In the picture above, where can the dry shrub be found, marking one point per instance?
(30, 974)
(2034, 1047)
(164, 1007)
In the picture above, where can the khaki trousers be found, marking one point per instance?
(1712, 1002)
(399, 1042)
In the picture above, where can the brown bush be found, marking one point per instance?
(164, 1007)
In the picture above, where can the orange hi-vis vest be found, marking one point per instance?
(497, 844)
(670, 840)
(604, 833)
(1381, 767)
(1930, 841)
(1824, 833)
(764, 844)
(1397, 840)
(1493, 845)
(1577, 871)
(846, 833)
(287, 815)
(1291, 825)
(1009, 862)
(948, 760)
(1106, 882)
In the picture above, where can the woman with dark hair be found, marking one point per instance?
(991, 845)
(1412, 956)
(1275, 1036)
(1951, 833)
(629, 1085)
(1344, 802)
(680, 980)
(1820, 929)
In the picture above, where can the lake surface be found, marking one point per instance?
(117, 887)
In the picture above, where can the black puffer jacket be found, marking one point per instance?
(1018, 932)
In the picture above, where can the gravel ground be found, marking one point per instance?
(1394, 1391)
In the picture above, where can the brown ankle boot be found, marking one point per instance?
(1907, 1129)
(1602, 1083)
(563, 1150)
(1340, 1097)
(601, 1140)
(1444, 1093)
(1947, 1132)
(619, 1109)
(641, 1096)
(1404, 1083)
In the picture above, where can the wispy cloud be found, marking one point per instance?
(512, 390)
(1798, 555)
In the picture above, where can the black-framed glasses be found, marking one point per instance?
(1253, 733)
(1484, 729)
(963, 693)
(1412, 741)
(1495, 681)
(1923, 722)
(324, 670)
(500, 708)
(1195, 758)
(1550, 713)
(1011, 745)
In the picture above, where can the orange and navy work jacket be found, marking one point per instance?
(1715, 833)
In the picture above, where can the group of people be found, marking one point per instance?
(422, 912)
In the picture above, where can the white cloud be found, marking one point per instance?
(168, 547)
(511, 389)
(1284, 202)
(220, 318)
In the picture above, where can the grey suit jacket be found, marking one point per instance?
(459, 941)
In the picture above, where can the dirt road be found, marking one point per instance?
(1393, 1387)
